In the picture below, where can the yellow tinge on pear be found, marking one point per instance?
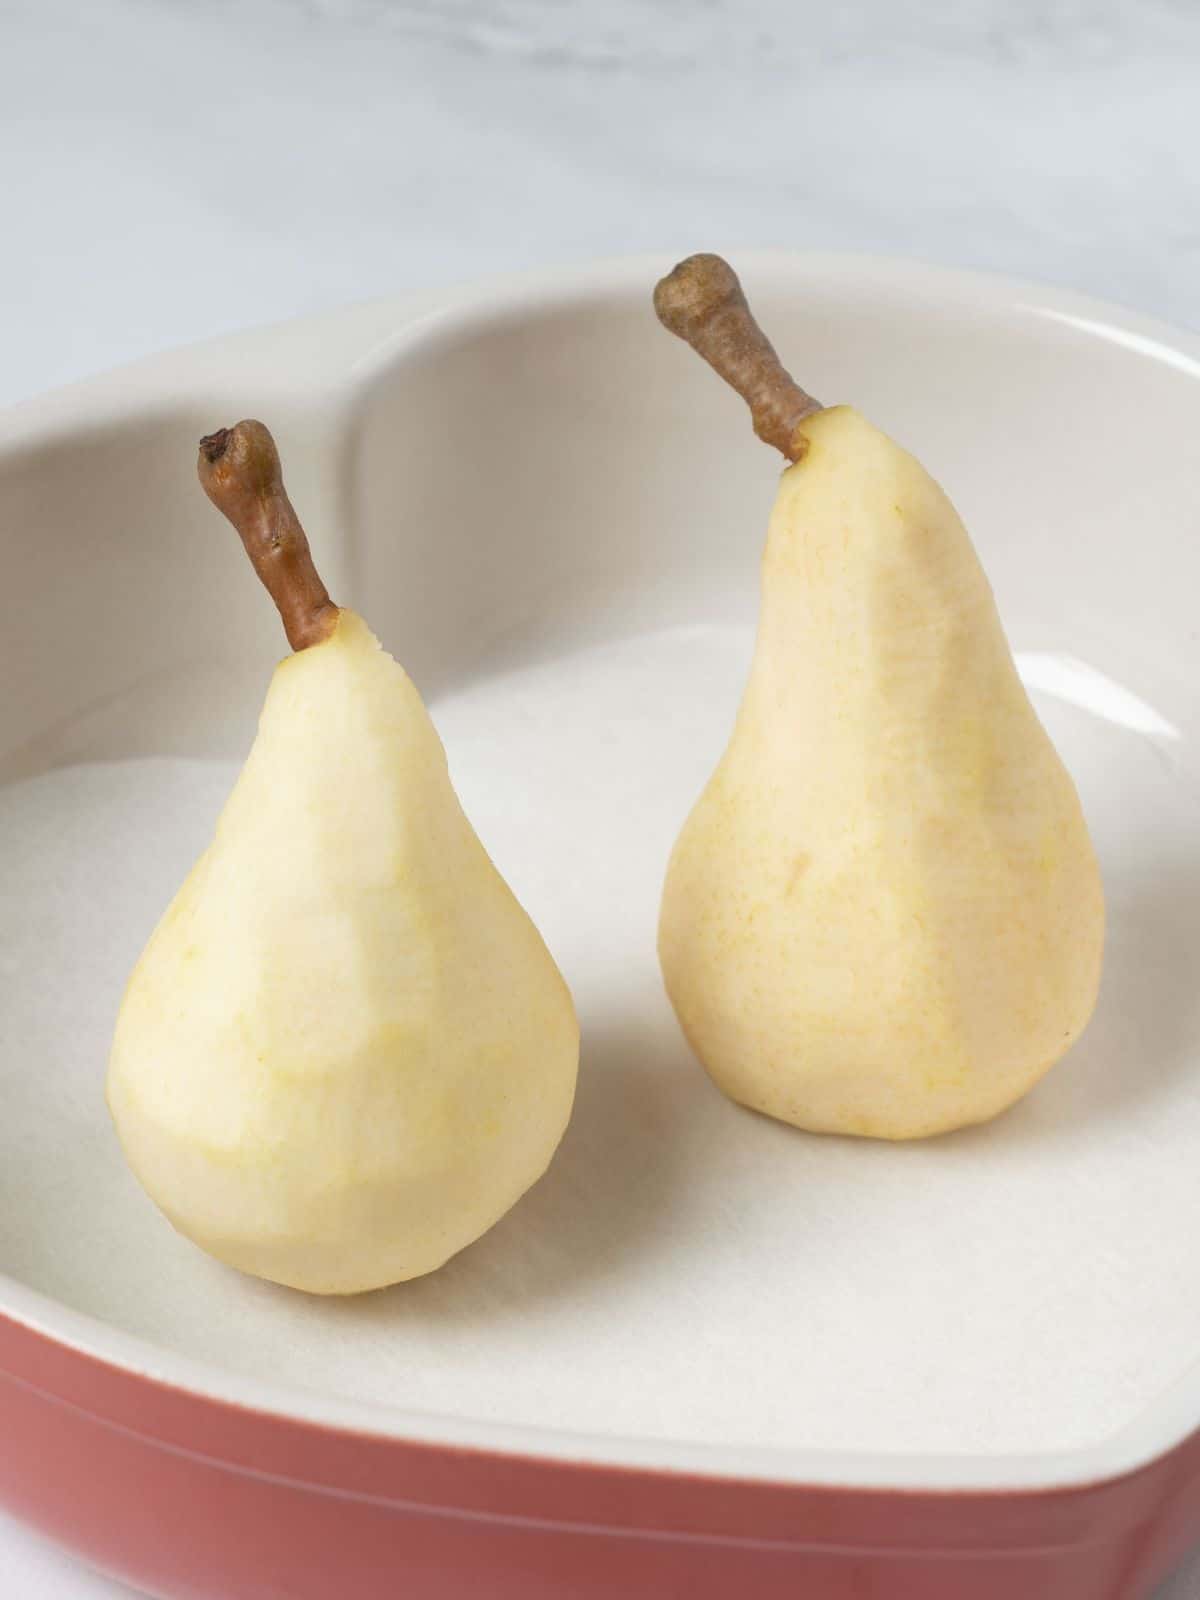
(884, 915)
(346, 1051)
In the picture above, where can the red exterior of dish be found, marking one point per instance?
(194, 1499)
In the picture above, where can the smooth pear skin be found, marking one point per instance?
(345, 1052)
(884, 915)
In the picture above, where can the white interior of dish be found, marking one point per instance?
(552, 514)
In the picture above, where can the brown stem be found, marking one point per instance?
(240, 473)
(702, 301)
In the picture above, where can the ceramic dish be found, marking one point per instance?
(707, 1354)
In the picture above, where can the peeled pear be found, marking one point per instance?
(345, 1052)
(884, 915)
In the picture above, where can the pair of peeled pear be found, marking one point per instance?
(346, 1051)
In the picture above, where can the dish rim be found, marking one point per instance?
(359, 343)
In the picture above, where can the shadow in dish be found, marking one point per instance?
(611, 1191)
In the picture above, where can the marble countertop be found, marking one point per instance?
(172, 171)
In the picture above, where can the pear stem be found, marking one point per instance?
(702, 302)
(240, 473)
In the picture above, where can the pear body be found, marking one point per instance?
(345, 1051)
(884, 915)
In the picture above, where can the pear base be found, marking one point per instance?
(919, 1123)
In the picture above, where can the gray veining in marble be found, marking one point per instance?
(173, 169)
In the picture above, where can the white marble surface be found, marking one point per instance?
(171, 170)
